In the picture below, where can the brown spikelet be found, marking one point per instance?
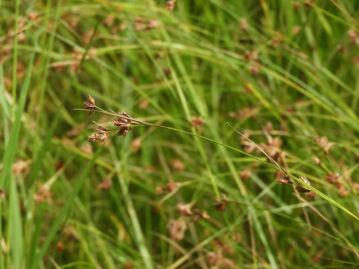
(324, 144)
(90, 103)
(184, 209)
(170, 5)
(177, 229)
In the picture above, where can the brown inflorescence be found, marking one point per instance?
(124, 123)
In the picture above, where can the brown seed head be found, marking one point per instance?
(273, 148)
(343, 191)
(243, 25)
(324, 143)
(296, 30)
(333, 178)
(247, 145)
(105, 184)
(177, 229)
(200, 215)
(60, 246)
(140, 24)
(43, 194)
(197, 122)
(172, 186)
(152, 24)
(33, 15)
(282, 178)
(221, 203)
(136, 144)
(90, 103)
(124, 123)
(184, 209)
(177, 165)
(109, 20)
(159, 190)
(353, 35)
(2, 194)
(21, 167)
(100, 135)
(245, 174)
(170, 5)
(296, 5)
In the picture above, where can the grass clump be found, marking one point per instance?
(215, 134)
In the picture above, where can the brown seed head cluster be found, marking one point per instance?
(124, 123)
(105, 184)
(144, 25)
(354, 36)
(283, 178)
(90, 103)
(244, 113)
(253, 60)
(336, 180)
(243, 25)
(2, 194)
(21, 167)
(185, 209)
(177, 229)
(247, 145)
(324, 144)
(197, 122)
(221, 203)
(195, 214)
(171, 186)
(177, 165)
(217, 259)
(273, 148)
(100, 135)
(43, 195)
(170, 5)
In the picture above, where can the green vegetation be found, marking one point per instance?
(239, 148)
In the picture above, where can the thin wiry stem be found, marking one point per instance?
(132, 120)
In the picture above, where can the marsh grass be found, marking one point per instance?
(244, 152)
